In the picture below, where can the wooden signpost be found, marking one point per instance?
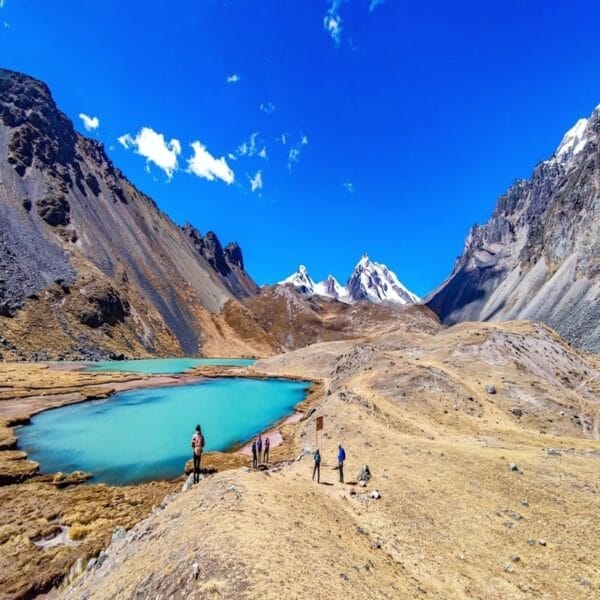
(319, 422)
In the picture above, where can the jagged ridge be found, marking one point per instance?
(538, 257)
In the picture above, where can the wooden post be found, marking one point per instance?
(320, 428)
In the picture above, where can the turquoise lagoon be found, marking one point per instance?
(145, 434)
(156, 366)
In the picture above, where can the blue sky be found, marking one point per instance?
(403, 122)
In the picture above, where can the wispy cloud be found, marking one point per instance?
(256, 182)
(233, 78)
(282, 139)
(251, 147)
(374, 4)
(267, 107)
(294, 153)
(332, 22)
(293, 157)
(154, 148)
(205, 165)
(349, 187)
(90, 123)
(248, 148)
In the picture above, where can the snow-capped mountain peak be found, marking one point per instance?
(370, 281)
(374, 282)
(574, 140)
(301, 280)
(331, 288)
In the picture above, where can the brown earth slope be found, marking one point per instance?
(453, 520)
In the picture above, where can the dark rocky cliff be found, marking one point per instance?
(538, 257)
(86, 258)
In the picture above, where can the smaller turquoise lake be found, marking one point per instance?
(145, 434)
(163, 366)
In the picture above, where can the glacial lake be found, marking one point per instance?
(145, 434)
(163, 366)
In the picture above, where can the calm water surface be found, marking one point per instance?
(157, 366)
(145, 434)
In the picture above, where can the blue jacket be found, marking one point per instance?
(341, 455)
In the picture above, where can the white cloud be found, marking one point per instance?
(204, 164)
(90, 123)
(154, 148)
(332, 22)
(263, 153)
(293, 157)
(282, 139)
(349, 186)
(374, 4)
(294, 153)
(250, 147)
(233, 78)
(256, 182)
(267, 107)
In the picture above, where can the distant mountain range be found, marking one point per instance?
(370, 281)
(538, 257)
(91, 268)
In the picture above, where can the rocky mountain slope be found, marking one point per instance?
(296, 319)
(86, 255)
(370, 281)
(538, 257)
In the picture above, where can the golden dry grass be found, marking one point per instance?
(413, 406)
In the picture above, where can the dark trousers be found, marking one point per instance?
(341, 469)
(266, 456)
(197, 458)
(254, 461)
(317, 470)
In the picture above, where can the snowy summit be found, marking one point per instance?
(369, 281)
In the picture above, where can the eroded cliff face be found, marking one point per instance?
(89, 265)
(538, 257)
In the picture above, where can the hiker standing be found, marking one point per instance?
(267, 446)
(341, 459)
(254, 457)
(259, 448)
(317, 467)
(197, 446)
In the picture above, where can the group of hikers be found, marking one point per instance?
(340, 466)
(260, 454)
(260, 449)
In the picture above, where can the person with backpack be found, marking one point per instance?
(267, 446)
(254, 455)
(341, 459)
(259, 448)
(317, 467)
(197, 447)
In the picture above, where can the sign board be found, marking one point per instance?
(319, 423)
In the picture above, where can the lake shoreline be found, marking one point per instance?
(18, 411)
(27, 389)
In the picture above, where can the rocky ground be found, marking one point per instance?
(483, 444)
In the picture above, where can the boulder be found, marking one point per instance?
(364, 474)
